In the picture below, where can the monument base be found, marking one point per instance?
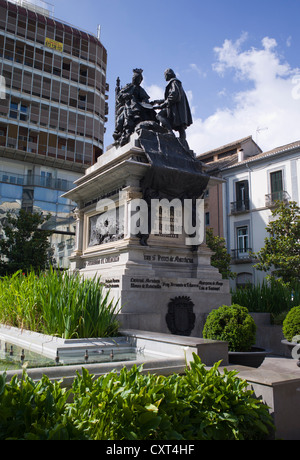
(162, 284)
(161, 289)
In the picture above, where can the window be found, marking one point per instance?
(244, 279)
(53, 117)
(23, 112)
(242, 195)
(44, 119)
(27, 82)
(21, 26)
(17, 79)
(35, 113)
(46, 179)
(48, 62)
(83, 75)
(19, 56)
(242, 240)
(27, 199)
(39, 59)
(31, 26)
(9, 49)
(36, 85)
(276, 185)
(241, 203)
(14, 108)
(207, 218)
(82, 101)
(55, 94)
(29, 56)
(66, 66)
(11, 22)
(46, 88)
(18, 110)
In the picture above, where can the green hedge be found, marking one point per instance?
(291, 325)
(199, 405)
(233, 324)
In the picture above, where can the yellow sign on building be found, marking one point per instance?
(53, 44)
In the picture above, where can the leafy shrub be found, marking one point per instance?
(58, 303)
(232, 324)
(34, 411)
(199, 405)
(291, 325)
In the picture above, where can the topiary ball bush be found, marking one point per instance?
(291, 325)
(232, 324)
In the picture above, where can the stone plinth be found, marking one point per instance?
(163, 281)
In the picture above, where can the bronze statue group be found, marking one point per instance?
(133, 106)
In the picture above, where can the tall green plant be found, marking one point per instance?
(58, 303)
(19, 301)
(269, 297)
(221, 258)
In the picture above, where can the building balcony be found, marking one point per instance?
(242, 256)
(271, 198)
(238, 207)
(36, 181)
(38, 148)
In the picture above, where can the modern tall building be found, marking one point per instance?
(52, 113)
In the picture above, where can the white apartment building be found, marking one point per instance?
(252, 186)
(253, 182)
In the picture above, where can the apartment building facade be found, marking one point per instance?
(214, 161)
(253, 186)
(52, 113)
(253, 183)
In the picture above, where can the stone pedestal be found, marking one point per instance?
(162, 283)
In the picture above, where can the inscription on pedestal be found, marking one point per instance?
(174, 259)
(156, 283)
(112, 283)
(102, 260)
(145, 283)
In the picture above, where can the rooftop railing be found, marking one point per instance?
(38, 6)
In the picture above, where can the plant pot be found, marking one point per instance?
(294, 349)
(253, 358)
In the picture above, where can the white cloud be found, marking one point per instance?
(197, 69)
(155, 92)
(289, 41)
(272, 100)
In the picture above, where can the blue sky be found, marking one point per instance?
(238, 61)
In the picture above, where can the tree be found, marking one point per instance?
(281, 252)
(220, 259)
(24, 246)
